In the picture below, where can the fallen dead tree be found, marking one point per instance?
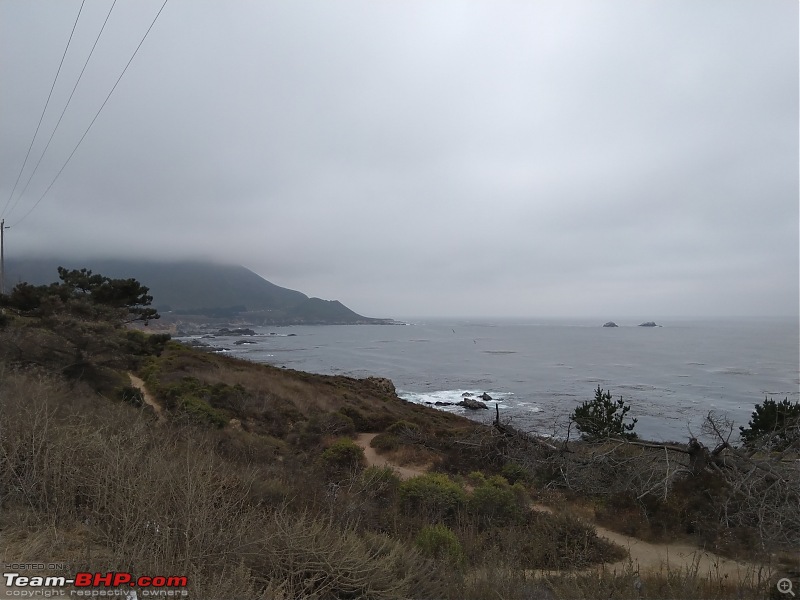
(752, 490)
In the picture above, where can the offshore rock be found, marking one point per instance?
(610, 324)
(486, 397)
(240, 331)
(648, 324)
(472, 404)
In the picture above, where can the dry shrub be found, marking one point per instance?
(385, 442)
(626, 584)
(244, 448)
(413, 455)
(510, 584)
(545, 542)
(150, 501)
(144, 500)
(309, 556)
(687, 583)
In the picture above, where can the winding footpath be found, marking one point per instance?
(644, 556)
(376, 460)
(148, 398)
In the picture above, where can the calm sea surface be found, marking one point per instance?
(539, 371)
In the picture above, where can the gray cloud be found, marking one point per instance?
(426, 158)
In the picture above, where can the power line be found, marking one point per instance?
(80, 141)
(75, 87)
(46, 104)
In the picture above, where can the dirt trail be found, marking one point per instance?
(375, 460)
(653, 557)
(148, 397)
(645, 556)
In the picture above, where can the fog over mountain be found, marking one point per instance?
(461, 159)
(193, 290)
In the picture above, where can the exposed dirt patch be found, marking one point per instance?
(655, 557)
(376, 460)
(148, 397)
(647, 556)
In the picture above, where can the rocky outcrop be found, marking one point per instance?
(485, 397)
(467, 402)
(610, 324)
(240, 331)
(648, 324)
(472, 404)
(382, 383)
(197, 344)
(242, 342)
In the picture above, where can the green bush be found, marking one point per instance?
(385, 442)
(230, 397)
(514, 472)
(399, 427)
(337, 424)
(342, 457)
(359, 420)
(439, 542)
(773, 426)
(476, 478)
(142, 344)
(380, 482)
(494, 502)
(435, 495)
(131, 395)
(199, 411)
(603, 418)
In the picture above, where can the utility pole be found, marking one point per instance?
(2, 257)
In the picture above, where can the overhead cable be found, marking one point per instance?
(46, 104)
(75, 87)
(61, 170)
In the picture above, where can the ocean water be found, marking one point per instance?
(539, 371)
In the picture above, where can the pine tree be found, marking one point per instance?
(603, 417)
(773, 426)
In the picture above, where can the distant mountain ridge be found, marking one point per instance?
(195, 288)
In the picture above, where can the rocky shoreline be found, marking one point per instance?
(469, 401)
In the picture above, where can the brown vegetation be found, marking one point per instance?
(252, 487)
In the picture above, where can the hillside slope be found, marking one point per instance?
(122, 448)
(201, 288)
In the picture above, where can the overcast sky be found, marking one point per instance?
(598, 158)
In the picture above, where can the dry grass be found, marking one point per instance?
(413, 456)
(246, 512)
(112, 493)
(271, 388)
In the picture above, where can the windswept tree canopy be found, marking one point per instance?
(126, 294)
(773, 426)
(603, 417)
(79, 287)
